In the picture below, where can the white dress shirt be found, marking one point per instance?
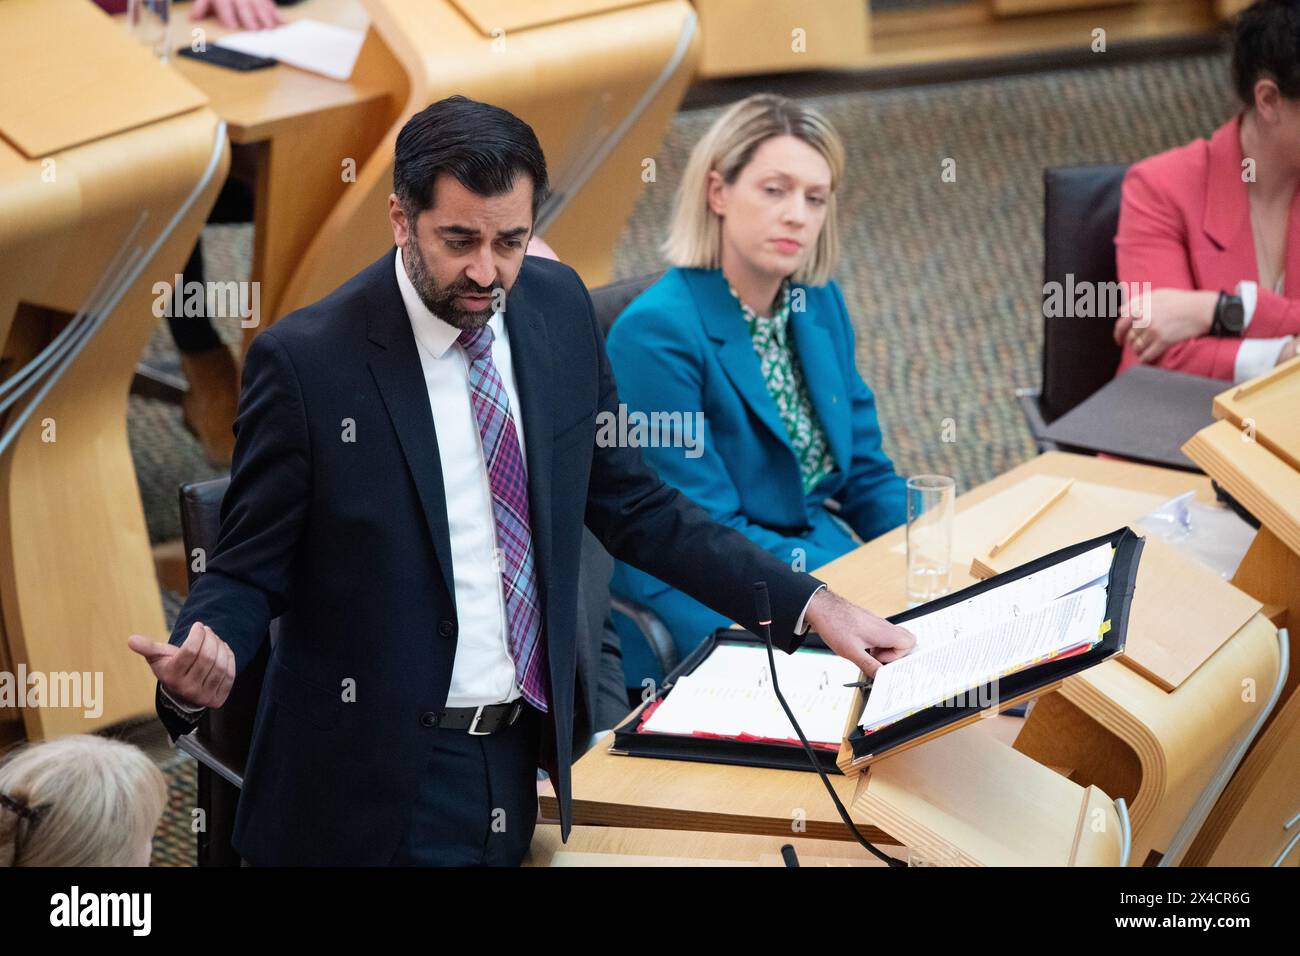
(1256, 356)
(483, 672)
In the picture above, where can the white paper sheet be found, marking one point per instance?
(730, 694)
(1010, 600)
(947, 668)
(307, 44)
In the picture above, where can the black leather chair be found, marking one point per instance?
(220, 743)
(1080, 216)
(609, 301)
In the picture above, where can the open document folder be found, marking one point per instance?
(730, 695)
(979, 648)
(1051, 613)
(996, 642)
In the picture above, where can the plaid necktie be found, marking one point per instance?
(509, 481)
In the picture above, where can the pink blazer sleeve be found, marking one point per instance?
(1151, 246)
(1275, 315)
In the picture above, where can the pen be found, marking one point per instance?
(860, 684)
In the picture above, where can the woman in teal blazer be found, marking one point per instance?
(749, 338)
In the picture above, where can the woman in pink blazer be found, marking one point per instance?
(1214, 226)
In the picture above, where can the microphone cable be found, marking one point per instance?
(763, 609)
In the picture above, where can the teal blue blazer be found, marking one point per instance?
(683, 346)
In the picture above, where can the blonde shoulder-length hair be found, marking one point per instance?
(98, 801)
(695, 232)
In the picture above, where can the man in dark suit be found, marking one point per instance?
(415, 459)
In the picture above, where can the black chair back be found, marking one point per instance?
(224, 733)
(610, 300)
(1080, 216)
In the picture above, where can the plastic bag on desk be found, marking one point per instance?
(1211, 534)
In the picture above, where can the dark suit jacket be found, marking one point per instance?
(347, 542)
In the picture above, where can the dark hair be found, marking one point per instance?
(482, 145)
(1266, 45)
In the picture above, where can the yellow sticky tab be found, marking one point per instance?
(1104, 629)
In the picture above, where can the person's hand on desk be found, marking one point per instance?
(238, 14)
(199, 673)
(855, 633)
(1150, 324)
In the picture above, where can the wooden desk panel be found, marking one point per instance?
(621, 846)
(1108, 727)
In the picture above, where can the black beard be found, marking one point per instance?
(443, 302)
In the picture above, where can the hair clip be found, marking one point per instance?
(20, 807)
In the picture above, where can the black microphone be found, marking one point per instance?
(762, 606)
(790, 857)
(763, 613)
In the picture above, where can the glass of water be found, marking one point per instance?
(931, 504)
(149, 21)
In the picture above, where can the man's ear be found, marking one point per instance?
(397, 219)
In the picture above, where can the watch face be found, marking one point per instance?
(1233, 314)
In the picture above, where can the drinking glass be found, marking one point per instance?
(931, 504)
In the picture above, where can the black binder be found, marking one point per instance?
(747, 753)
(865, 747)
(861, 748)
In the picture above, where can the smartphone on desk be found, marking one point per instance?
(230, 59)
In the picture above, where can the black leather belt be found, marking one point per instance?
(481, 721)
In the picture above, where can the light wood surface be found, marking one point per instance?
(577, 83)
(1015, 8)
(974, 31)
(1252, 452)
(95, 86)
(748, 37)
(1268, 407)
(76, 573)
(1182, 612)
(1110, 727)
(623, 846)
(1113, 727)
(755, 35)
(622, 791)
(1033, 516)
(311, 134)
(495, 17)
(258, 105)
(968, 800)
(1088, 510)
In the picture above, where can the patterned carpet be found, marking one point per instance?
(943, 279)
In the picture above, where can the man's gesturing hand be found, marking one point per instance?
(199, 673)
(855, 633)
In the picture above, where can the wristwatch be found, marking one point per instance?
(1229, 316)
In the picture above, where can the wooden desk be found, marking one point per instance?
(304, 127)
(1107, 727)
(620, 846)
(76, 574)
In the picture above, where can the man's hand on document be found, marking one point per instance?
(856, 634)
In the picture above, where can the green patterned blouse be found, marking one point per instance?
(783, 374)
